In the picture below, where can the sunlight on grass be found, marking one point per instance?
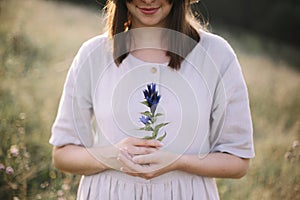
(38, 41)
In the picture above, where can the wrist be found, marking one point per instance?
(103, 157)
(102, 166)
(177, 163)
(180, 163)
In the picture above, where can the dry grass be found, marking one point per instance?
(58, 29)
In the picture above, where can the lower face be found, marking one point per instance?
(151, 13)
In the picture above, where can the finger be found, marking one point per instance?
(143, 159)
(142, 175)
(130, 166)
(129, 171)
(140, 150)
(147, 143)
(125, 152)
(127, 164)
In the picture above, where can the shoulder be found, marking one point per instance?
(213, 50)
(213, 55)
(215, 44)
(95, 44)
(93, 53)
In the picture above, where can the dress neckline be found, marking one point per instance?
(140, 61)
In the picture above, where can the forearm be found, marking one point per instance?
(80, 160)
(218, 165)
(76, 160)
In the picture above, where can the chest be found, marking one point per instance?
(185, 103)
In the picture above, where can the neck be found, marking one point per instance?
(151, 55)
(147, 44)
(147, 38)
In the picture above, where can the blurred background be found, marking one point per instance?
(39, 38)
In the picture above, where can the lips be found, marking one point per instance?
(148, 11)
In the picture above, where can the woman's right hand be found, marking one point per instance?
(138, 146)
(109, 155)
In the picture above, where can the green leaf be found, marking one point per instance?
(145, 103)
(146, 128)
(158, 114)
(162, 137)
(153, 119)
(157, 127)
(155, 132)
(147, 113)
(148, 137)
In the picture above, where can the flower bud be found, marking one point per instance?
(14, 150)
(9, 170)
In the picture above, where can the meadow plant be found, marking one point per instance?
(15, 166)
(293, 154)
(25, 156)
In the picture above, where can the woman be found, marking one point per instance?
(203, 97)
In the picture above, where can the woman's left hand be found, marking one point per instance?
(149, 165)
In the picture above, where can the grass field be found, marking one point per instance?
(38, 40)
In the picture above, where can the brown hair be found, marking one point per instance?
(179, 19)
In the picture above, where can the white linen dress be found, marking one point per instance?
(205, 102)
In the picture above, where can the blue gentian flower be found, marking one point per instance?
(149, 117)
(152, 97)
(145, 120)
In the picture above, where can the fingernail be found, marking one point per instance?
(122, 169)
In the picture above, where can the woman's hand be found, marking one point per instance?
(148, 165)
(87, 161)
(218, 164)
(137, 146)
(133, 146)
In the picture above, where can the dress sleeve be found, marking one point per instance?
(230, 124)
(73, 121)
